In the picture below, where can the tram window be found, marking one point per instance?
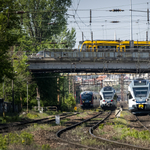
(94, 49)
(100, 97)
(84, 47)
(130, 96)
(99, 47)
(109, 46)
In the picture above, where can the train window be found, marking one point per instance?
(109, 46)
(130, 96)
(113, 46)
(140, 91)
(84, 47)
(100, 97)
(90, 49)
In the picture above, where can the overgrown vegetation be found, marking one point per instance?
(48, 30)
(119, 130)
(23, 138)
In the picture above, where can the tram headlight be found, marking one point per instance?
(134, 100)
(147, 100)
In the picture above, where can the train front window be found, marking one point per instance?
(84, 47)
(107, 95)
(86, 97)
(140, 91)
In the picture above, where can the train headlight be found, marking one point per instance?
(103, 100)
(147, 99)
(134, 100)
(90, 101)
(111, 100)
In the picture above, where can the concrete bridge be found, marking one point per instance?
(98, 62)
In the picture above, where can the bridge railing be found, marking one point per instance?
(142, 55)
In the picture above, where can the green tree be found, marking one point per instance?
(67, 37)
(44, 18)
(9, 34)
(22, 75)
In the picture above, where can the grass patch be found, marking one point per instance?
(144, 135)
(62, 122)
(24, 138)
(8, 119)
(45, 147)
(90, 142)
(101, 126)
(36, 126)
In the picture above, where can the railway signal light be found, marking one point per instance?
(116, 10)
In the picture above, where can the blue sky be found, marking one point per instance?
(101, 25)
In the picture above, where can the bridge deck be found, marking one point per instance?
(110, 62)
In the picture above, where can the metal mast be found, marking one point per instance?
(131, 38)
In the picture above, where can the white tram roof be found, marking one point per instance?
(140, 82)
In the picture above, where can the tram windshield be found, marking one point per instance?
(86, 96)
(84, 47)
(140, 91)
(107, 95)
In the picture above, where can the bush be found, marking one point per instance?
(69, 103)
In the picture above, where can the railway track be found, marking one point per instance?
(114, 144)
(4, 128)
(119, 145)
(144, 121)
(60, 132)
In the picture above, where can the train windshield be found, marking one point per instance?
(140, 91)
(86, 97)
(84, 47)
(107, 95)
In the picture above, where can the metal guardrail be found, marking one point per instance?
(144, 56)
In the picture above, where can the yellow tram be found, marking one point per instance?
(118, 46)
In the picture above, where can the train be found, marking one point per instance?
(138, 96)
(89, 99)
(115, 45)
(108, 98)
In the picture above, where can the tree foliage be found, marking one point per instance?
(44, 18)
(9, 34)
(43, 23)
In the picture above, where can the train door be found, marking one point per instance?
(89, 48)
(117, 48)
(120, 48)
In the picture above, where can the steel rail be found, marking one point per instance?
(58, 134)
(141, 123)
(34, 121)
(111, 141)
